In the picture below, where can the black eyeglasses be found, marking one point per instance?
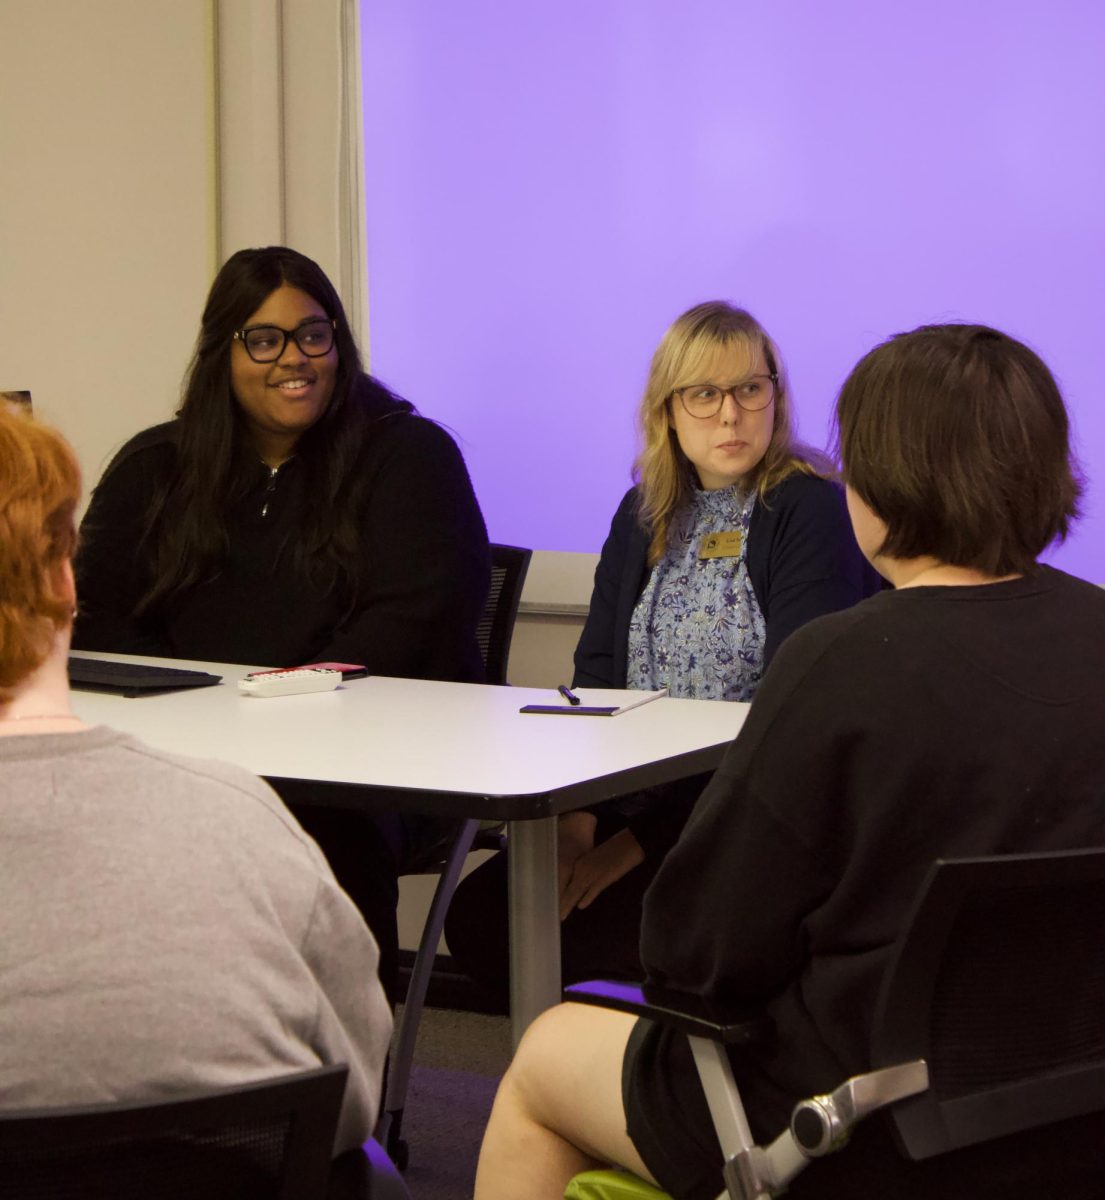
(704, 400)
(265, 343)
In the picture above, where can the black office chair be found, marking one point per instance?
(509, 565)
(990, 1024)
(270, 1140)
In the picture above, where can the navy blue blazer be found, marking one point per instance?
(803, 562)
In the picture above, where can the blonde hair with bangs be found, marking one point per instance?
(665, 478)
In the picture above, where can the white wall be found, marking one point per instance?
(142, 142)
(289, 131)
(554, 604)
(107, 210)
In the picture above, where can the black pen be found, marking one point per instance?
(567, 693)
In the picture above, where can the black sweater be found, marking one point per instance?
(424, 565)
(923, 723)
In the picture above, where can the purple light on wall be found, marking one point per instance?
(548, 186)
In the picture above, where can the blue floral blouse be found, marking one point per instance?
(697, 628)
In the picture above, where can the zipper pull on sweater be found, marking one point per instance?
(270, 487)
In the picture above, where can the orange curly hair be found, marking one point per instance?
(40, 486)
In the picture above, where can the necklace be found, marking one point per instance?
(43, 717)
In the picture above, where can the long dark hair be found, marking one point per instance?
(186, 530)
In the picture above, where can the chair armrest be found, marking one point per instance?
(823, 1124)
(679, 1010)
(818, 1126)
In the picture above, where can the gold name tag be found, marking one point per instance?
(726, 544)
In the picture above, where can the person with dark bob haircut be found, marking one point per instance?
(959, 714)
(295, 511)
(908, 423)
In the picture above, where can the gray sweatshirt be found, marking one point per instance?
(166, 926)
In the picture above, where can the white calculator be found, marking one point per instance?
(289, 683)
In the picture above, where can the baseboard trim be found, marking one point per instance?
(449, 986)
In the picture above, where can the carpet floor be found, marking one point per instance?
(459, 1060)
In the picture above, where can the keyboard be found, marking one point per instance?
(133, 679)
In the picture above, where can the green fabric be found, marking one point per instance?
(611, 1185)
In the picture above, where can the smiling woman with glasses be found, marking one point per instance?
(731, 540)
(294, 511)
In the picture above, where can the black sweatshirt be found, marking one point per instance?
(424, 552)
(928, 722)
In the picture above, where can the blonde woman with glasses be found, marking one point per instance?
(732, 538)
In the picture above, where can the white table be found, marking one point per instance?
(450, 749)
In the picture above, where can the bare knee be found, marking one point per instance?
(546, 1061)
(566, 1077)
(525, 1149)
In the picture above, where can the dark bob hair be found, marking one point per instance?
(186, 529)
(956, 436)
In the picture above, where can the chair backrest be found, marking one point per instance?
(509, 565)
(998, 982)
(271, 1140)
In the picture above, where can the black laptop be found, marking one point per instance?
(133, 679)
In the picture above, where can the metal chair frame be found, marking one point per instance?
(942, 1090)
(509, 565)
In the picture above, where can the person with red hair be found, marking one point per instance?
(167, 925)
(39, 490)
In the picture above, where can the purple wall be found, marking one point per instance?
(549, 185)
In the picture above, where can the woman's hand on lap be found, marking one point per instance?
(575, 836)
(594, 871)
